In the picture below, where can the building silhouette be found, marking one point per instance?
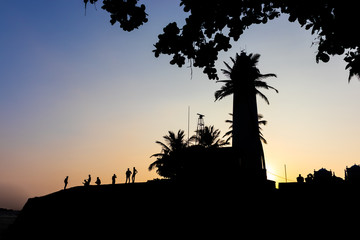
(352, 174)
(323, 176)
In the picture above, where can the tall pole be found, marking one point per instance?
(188, 125)
(285, 173)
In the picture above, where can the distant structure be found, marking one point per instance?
(200, 125)
(352, 174)
(323, 176)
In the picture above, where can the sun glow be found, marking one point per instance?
(275, 174)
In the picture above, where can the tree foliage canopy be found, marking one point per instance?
(211, 25)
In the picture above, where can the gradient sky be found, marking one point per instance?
(79, 96)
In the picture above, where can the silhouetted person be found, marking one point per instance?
(89, 179)
(98, 181)
(133, 174)
(86, 183)
(300, 179)
(66, 180)
(128, 174)
(113, 179)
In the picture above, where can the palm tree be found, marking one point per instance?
(261, 122)
(244, 81)
(168, 160)
(209, 137)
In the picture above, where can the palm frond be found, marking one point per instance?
(263, 139)
(263, 122)
(224, 91)
(263, 96)
(157, 155)
(267, 75)
(228, 134)
(229, 69)
(153, 165)
(210, 137)
(254, 58)
(277, 91)
(163, 145)
(224, 81)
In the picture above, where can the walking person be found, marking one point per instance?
(133, 174)
(66, 180)
(128, 174)
(113, 179)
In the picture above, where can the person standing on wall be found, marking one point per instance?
(66, 180)
(128, 174)
(133, 174)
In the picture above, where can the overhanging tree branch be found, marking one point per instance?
(213, 23)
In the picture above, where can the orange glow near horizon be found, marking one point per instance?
(78, 100)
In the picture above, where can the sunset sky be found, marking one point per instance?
(79, 96)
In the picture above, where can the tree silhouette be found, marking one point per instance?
(209, 137)
(212, 24)
(243, 83)
(260, 121)
(126, 12)
(169, 160)
(253, 75)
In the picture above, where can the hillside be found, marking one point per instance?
(168, 210)
(7, 217)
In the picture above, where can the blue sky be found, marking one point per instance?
(79, 96)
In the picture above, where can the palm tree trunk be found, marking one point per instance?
(246, 141)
